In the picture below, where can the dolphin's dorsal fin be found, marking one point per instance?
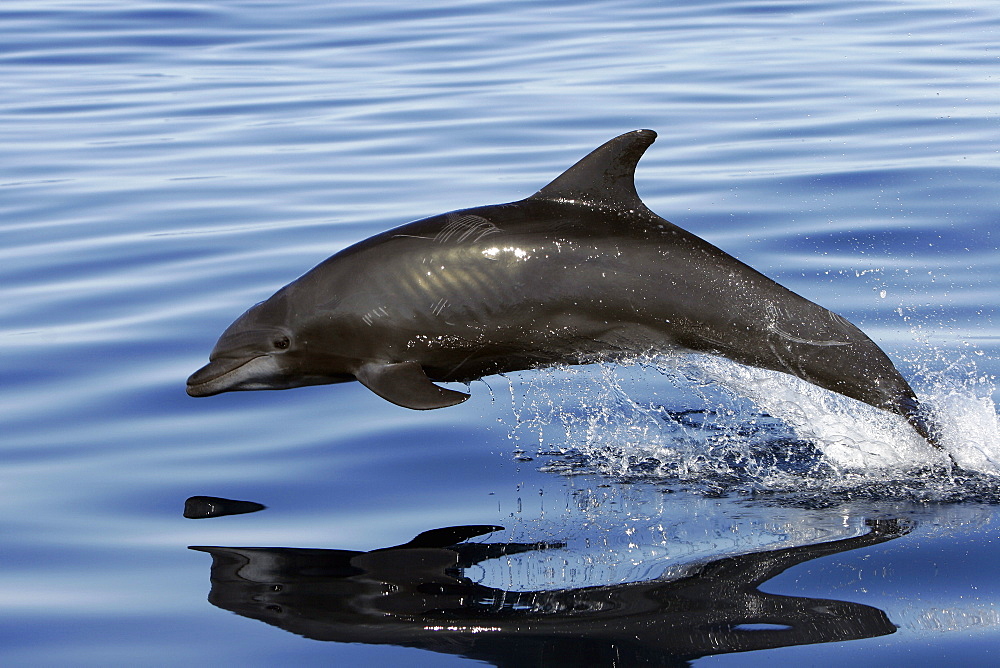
(606, 177)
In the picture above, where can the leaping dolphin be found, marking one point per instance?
(581, 271)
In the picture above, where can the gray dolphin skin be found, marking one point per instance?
(579, 272)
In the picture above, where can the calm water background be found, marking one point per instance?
(167, 164)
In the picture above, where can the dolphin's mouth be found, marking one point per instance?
(214, 377)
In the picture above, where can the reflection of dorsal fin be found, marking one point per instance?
(606, 177)
(450, 536)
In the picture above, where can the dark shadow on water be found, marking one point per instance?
(416, 595)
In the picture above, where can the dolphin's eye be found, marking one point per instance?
(281, 343)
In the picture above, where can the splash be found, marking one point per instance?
(960, 399)
(717, 426)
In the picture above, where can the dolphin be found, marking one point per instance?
(580, 272)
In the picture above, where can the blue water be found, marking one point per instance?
(167, 164)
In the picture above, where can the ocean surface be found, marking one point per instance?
(164, 165)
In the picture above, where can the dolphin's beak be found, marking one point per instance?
(210, 379)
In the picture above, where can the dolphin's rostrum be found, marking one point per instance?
(579, 272)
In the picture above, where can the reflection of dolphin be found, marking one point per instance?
(415, 595)
(581, 271)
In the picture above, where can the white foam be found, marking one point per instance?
(618, 415)
(850, 434)
(970, 427)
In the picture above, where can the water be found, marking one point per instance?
(167, 164)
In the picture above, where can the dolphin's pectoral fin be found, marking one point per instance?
(405, 384)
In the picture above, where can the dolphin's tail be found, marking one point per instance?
(929, 431)
(923, 428)
(917, 418)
